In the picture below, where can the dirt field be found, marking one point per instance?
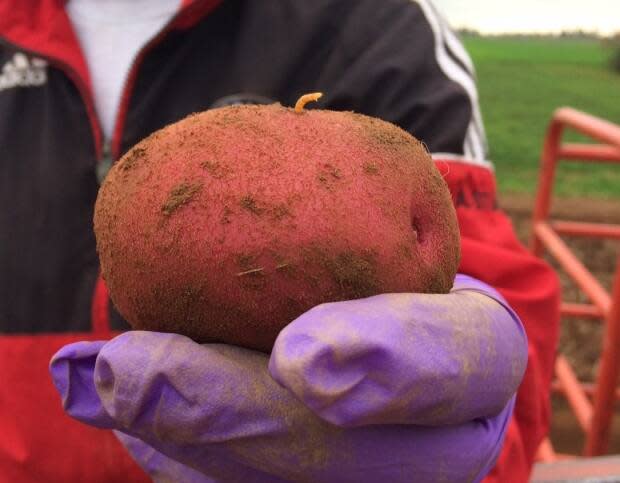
(580, 339)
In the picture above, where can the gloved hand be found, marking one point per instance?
(405, 358)
(216, 408)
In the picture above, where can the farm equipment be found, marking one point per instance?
(592, 404)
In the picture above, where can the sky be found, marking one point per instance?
(501, 16)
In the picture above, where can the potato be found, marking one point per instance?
(230, 223)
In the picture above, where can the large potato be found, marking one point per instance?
(229, 224)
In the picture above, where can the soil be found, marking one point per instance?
(580, 339)
(179, 196)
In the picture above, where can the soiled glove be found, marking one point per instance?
(186, 410)
(405, 358)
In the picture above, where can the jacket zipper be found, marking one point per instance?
(105, 161)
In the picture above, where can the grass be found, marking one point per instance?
(521, 83)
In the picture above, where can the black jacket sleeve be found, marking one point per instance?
(398, 60)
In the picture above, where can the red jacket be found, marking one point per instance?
(413, 73)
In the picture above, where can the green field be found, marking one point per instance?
(521, 83)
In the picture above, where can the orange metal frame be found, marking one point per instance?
(592, 404)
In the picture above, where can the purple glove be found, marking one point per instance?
(405, 358)
(216, 408)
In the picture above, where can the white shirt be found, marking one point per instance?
(111, 33)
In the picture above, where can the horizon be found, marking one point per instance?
(489, 17)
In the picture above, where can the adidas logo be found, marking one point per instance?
(23, 72)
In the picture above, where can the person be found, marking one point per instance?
(430, 393)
